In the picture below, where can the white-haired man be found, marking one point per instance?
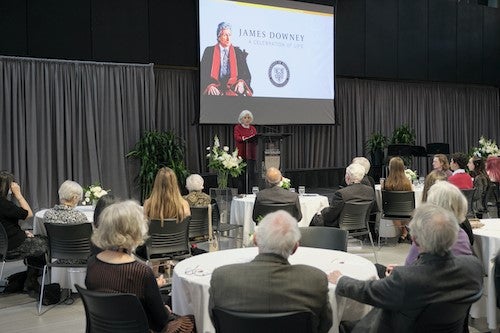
(275, 194)
(354, 192)
(269, 283)
(436, 277)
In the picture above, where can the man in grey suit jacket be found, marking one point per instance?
(354, 192)
(436, 277)
(269, 283)
(275, 194)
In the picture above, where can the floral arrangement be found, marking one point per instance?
(92, 193)
(486, 148)
(285, 183)
(411, 174)
(226, 163)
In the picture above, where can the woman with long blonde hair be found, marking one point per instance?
(397, 181)
(166, 201)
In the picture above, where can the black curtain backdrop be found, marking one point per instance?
(77, 120)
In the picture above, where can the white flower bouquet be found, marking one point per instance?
(411, 174)
(92, 193)
(285, 183)
(226, 163)
(486, 148)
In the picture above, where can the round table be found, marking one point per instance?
(190, 292)
(242, 209)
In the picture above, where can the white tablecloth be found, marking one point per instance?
(39, 228)
(486, 246)
(190, 292)
(242, 209)
(66, 277)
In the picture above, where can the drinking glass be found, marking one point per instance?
(292, 189)
(382, 180)
(255, 190)
(302, 190)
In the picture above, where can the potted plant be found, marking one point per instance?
(404, 135)
(375, 147)
(155, 150)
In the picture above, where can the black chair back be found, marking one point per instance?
(168, 239)
(324, 238)
(354, 216)
(398, 204)
(4, 243)
(113, 312)
(264, 209)
(469, 195)
(69, 241)
(198, 226)
(227, 321)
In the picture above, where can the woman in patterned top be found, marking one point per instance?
(196, 198)
(70, 194)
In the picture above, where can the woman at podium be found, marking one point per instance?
(245, 137)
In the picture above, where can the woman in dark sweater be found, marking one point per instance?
(121, 229)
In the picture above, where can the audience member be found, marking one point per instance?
(166, 201)
(493, 171)
(196, 198)
(367, 179)
(460, 178)
(354, 192)
(70, 194)
(436, 277)
(433, 177)
(440, 163)
(21, 244)
(122, 228)
(449, 197)
(269, 283)
(275, 194)
(397, 181)
(480, 181)
(103, 202)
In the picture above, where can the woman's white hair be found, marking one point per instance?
(277, 233)
(356, 172)
(364, 162)
(434, 228)
(243, 114)
(194, 182)
(448, 196)
(69, 190)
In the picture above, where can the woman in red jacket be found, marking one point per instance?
(247, 148)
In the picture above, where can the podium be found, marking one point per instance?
(269, 148)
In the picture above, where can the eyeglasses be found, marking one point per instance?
(196, 271)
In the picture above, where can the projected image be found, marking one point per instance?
(229, 74)
(276, 57)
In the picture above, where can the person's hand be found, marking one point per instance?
(29, 234)
(212, 90)
(161, 281)
(334, 276)
(16, 189)
(239, 87)
(389, 269)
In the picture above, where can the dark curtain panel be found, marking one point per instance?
(72, 120)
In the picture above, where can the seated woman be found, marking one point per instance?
(440, 163)
(103, 202)
(449, 197)
(196, 197)
(477, 170)
(122, 228)
(21, 244)
(166, 201)
(433, 177)
(70, 194)
(397, 181)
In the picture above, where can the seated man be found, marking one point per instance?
(354, 192)
(436, 277)
(275, 194)
(269, 283)
(460, 178)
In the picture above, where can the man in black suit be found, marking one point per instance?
(436, 277)
(354, 192)
(275, 194)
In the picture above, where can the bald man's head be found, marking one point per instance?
(273, 176)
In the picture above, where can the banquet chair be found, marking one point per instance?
(168, 240)
(396, 205)
(324, 238)
(226, 321)
(354, 219)
(113, 312)
(200, 220)
(4, 245)
(263, 209)
(224, 229)
(69, 247)
(469, 195)
(490, 199)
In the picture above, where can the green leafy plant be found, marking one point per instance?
(156, 150)
(403, 134)
(375, 147)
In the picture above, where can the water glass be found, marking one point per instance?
(302, 190)
(292, 189)
(382, 180)
(255, 190)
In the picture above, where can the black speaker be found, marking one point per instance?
(438, 148)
